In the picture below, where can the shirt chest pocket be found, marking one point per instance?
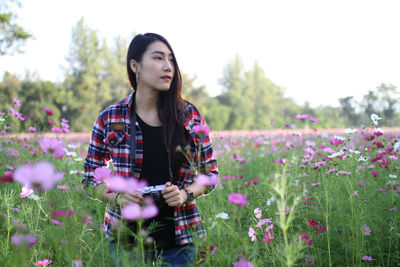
(115, 139)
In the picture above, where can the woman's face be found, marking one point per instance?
(156, 69)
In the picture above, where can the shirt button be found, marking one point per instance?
(112, 142)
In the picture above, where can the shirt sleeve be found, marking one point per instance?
(97, 156)
(208, 160)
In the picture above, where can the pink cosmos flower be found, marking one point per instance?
(56, 222)
(286, 124)
(42, 175)
(205, 180)
(124, 185)
(355, 193)
(101, 173)
(301, 116)
(87, 220)
(63, 187)
(252, 234)
(25, 191)
(366, 230)
(367, 258)
(43, 262)
(53, 146)
(257, 213)
(263, 221)
(201, 130)
(330, 171)
(49, 112)
(242, 263)
(134, 212)
(313, 119)
(271, 122)
(16, 102)
(344, 172)
(312, 223)
(56, 130)
(24, 240)
(320, 229)
(237, 199)
(32, 129)
(306, 238)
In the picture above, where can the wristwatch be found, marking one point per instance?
(190, 196)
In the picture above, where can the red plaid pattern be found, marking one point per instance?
(107, 144)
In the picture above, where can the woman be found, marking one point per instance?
(163, 121)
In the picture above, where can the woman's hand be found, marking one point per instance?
(173, 196)
(127, 198)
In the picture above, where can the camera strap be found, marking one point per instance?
(133, 144)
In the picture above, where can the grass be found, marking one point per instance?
(289, 183)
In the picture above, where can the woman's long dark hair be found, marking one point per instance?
(171, 107)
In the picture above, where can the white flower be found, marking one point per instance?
(375, 118)
(72, 146)
(213, 225)
(339, 137)
(354, 151)
(396, 145)
(362, 158)
(74, 171)
(350, 131)
(379, 130)
(222, 215)
(33, 196)
(71, 154)
(392, 176)
(336, 154)
(270, 201)
(2, 119)
(78, 159)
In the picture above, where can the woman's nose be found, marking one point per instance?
(168, 66)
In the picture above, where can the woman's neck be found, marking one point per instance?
(146, 106)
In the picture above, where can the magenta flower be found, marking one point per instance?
(42, 175)
(268, 236)
(49, 112)
(375, 174)
(24, 240)
(313, 119)
(306, 238)
(335, 141)
(367, 258)
(43, 262)
(320, 229)
(312, 223)
(101, 173)
(242, 263)
(237, 199)
(201, 130)
(52, 122)
(7, 178)
(366, 230)
(56, 130)
(63, 187)
(32, 129)
(263, 221)
(62, 213)
(53, 146)
(87, 220)
(205, 180)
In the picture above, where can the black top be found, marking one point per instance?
(155, 170)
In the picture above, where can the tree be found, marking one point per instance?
(348, 110)
(84, 78)
(388, 98)
(12, 36)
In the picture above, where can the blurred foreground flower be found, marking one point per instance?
(101, 173)
(52, 146)
(201, 130)
(124, 185)
(134, 212)
(41, 176)
(43, 262)
(242, 263)
(205, 180)
(24, 240)
(237, 199)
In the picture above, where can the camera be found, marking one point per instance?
(155, 193)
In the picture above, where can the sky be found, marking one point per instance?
(319, 51)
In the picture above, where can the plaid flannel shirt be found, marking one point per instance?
(108, 144)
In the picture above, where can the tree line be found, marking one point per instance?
(96, 78)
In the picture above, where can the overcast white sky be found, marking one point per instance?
(318, 50)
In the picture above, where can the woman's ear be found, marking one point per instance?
(133, 64)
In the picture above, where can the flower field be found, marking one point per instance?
(282, 199)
